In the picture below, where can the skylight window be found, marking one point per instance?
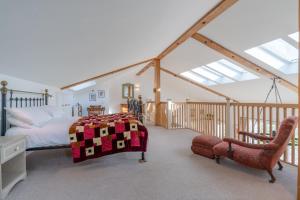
(194, 77)
(219, 72)
(282, 49)
(83, 85)
(217, 66)
(230, 70)
(279, 54)
(206, 73)
(295, 36)
(266, 57)
(232, 66)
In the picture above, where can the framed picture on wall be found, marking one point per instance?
(127, 90)
(92, 96)
(101, 93)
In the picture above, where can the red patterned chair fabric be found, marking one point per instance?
(260, 156)
(203, 145)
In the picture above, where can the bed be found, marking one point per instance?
(45, 136)
(56, 132)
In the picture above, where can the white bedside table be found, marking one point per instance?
(13, 162)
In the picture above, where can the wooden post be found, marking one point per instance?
(228, 120)
(3, 105)
(169, 113)
(156, 90)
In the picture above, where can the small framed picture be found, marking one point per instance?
(92, 96)
(101, 93)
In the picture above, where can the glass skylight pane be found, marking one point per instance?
(295, 36)
(267, 58)
(222, 69)
(193, 77)
(282, 49)
(206, 73)
(83, 85)
(231, 65)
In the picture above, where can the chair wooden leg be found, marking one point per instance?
(273, 179)
(279, 165)
(218, 159)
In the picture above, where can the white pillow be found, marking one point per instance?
(33, 116)
(15, 122)
(53, 111)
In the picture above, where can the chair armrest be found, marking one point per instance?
(270, 146)
(255, 135)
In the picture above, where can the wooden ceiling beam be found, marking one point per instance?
(144, 69)
(242, 60)
(208, 17)
(197, 84)
(107, 74)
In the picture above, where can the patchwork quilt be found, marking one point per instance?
(96, 136)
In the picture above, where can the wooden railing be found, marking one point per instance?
(207, 118)
(150, 113)
(225, 120)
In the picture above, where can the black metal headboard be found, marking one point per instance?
(136, 107)
(31, 99)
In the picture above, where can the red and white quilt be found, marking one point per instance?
(96, 136)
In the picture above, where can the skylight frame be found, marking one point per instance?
(233, 66)
(278, 54)
(216, 66)
(264, 56)
(223, 78)
(206, 73)
(197, 78)
(282, 50)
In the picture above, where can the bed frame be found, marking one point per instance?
(37, 99)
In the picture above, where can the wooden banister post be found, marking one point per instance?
(156, 91)
(169, 113)
(187, 123)
(228, 119)
(3, 105)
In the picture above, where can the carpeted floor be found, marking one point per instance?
(171, 173)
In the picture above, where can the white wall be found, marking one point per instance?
(26, 85)
(113, 90)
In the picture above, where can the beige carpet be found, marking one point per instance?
(172, 172)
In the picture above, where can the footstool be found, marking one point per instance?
(203, 145)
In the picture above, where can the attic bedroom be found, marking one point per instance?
(194, 99)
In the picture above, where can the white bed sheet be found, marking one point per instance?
(54, 132)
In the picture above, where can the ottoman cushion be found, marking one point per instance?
(203, 145)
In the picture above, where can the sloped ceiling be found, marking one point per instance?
(58, 42)
(246, 24)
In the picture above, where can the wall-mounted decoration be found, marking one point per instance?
(127, 90)
(92, 96)
(101, 93)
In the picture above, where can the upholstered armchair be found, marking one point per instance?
(260, 156)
